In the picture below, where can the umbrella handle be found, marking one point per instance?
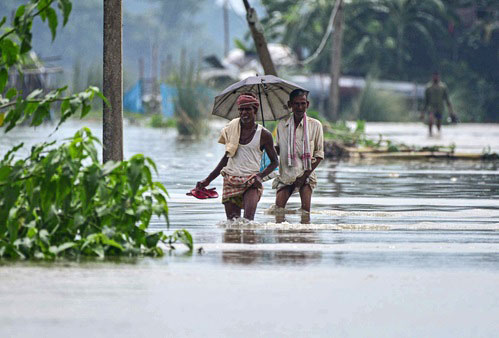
(261, 105)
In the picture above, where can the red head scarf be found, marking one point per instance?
(247, 100)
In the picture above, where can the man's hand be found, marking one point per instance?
(300, 181)
(203, 184)
(258, 182)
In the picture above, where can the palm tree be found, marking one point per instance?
(387, 34)
(406, 27)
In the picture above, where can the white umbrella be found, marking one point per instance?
(272, 92)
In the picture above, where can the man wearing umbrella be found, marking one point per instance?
(244, 141)
(300, 144)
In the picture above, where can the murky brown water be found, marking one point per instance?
(391, 248)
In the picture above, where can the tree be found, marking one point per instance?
(391, 34)
(62, 200)
(15, 44)
(404, 31)
(300, 25)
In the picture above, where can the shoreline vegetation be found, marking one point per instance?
(342, 142)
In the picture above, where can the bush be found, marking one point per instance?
(64, 202)
(473, 97)
(340, 132)
(189, 104)
(376, 105)
(158, 121)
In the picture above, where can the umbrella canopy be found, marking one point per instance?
(272, 92)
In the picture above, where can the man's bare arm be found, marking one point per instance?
(214, 174)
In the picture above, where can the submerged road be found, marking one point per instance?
(391, 248)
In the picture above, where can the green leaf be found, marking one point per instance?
(153, 239)
(30, 108)
(20, 11)
(10, 51)
(99, 251)
(186, 238)
(110, 242)
(64, 246)
(41, 6)
(109, 167)
(65, 6)
(4, 75)
(39, 115)
(65, 106)
(26, 44)
(44, 236)
(52, 18)
(4, 173)
(152, 164)
(34, 94)
(85, 109)
(97, 91)
(13, 225)
(11, 93)
(32, 232)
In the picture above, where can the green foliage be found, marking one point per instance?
(15, 43)
(63, 202)
(344, 136)
(394, 36)
(35, 108)
(158, 121)
(300, 25)
(375, 105)
(403, 40)
(473, 97)
(190, 103)
(342, 133)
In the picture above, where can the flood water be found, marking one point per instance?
(391, 248)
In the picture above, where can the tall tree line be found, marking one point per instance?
(403, 40)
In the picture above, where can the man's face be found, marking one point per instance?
(299, 105)
(436, 77)
(247, 114)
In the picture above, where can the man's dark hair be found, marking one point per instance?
(298, 92)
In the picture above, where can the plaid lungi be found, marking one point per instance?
(237, 185)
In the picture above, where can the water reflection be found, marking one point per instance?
(334, 188)
(280, 216)
(266, 252)
(241, 236)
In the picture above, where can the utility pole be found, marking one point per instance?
(226, 28)
(113, 82)
(154, 63)
(334, 89)
(141, 69)
(256, 29)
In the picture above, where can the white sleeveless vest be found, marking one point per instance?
(247, 159)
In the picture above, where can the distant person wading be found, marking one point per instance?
(434, 97)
